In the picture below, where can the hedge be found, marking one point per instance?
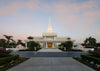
(8, 59)
(91, 58)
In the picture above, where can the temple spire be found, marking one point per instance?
(49, 26)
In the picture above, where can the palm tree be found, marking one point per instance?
(8, 39)
(90, 42)
(30, 42)
(13, 44)
(19, 42)
(30, 38)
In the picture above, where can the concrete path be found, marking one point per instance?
(51, 64)
(49, 50)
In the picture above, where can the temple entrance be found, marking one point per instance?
(49, 45)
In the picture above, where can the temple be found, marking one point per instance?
(49, 39)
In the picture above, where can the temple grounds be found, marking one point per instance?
(55, 60)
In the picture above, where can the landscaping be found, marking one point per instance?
(92, 60)
(67, 46)
(7, 61)
(32, 45)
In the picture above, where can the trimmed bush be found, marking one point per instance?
(8, 59)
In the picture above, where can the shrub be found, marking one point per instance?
(91, 58)
(8, 51)
(4, 49)
(8, 59)
(4, 53)
(97, 50)
(95, 53)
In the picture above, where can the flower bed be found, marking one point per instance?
(4, 53)
(4, 49)
(95, 53)
(8, 62)
(8, 59)
(91, 58)
(91, 61)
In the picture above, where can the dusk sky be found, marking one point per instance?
(77, 19)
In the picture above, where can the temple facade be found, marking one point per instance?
(49, 39)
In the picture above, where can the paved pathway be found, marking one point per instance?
(51, 64)
(49, 50)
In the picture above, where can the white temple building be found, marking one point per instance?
(49, 39)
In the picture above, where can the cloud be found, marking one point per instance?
(79, 15)
(14, 7)
(74, 16)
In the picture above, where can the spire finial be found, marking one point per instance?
(49, 26)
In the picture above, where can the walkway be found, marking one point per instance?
(51, 64)
(49, 50)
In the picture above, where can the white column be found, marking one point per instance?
(53, 45)
(26, 44)
(46, 44)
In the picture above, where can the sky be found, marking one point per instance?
(77, 19)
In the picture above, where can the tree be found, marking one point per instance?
(90, 42)
(8, 39)
(68, 38)
(3, 43)
(83, 44)
(98, 44)
(68, 44)
(20, 42)
(30, 38)
(32, 44)
(13, 44)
